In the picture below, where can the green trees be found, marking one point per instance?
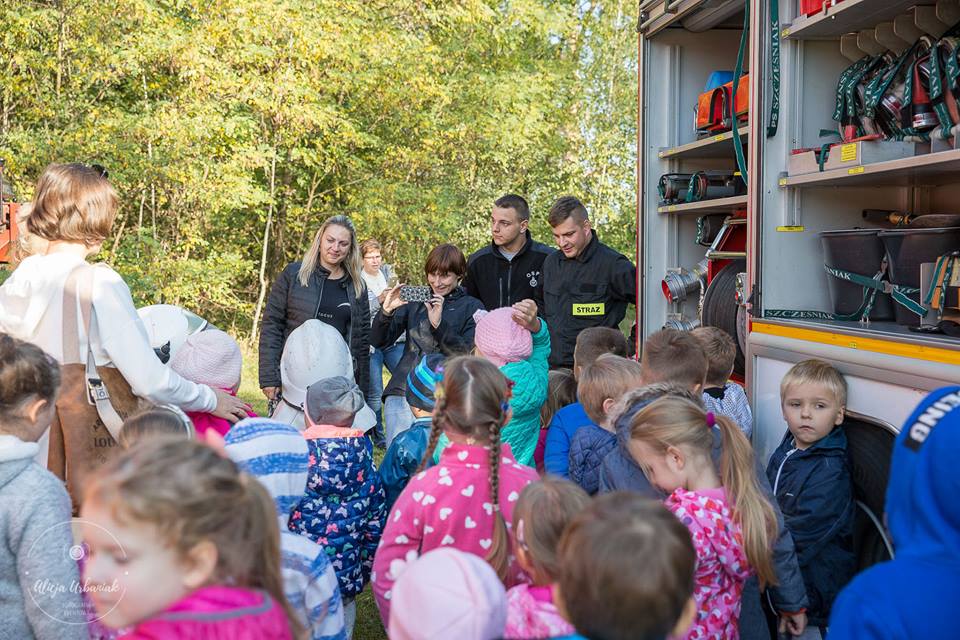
(227, 122)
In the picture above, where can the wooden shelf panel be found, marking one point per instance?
(719, 205)
(930, 169)
(846, 17)
(718, 146)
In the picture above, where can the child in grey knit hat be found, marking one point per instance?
(343, 508)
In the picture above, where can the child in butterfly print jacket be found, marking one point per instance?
(451, 503)
(343, 507)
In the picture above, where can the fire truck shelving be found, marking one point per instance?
(888, 366)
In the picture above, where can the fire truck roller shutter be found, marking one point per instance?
(720, 307)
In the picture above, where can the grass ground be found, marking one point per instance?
(368, 617)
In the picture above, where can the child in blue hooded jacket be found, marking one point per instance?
(810, 476)
(592, 343)
(914, 595)
(408, 447)
(602, 384)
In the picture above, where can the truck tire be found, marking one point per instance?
(870, 448)
(720, 307)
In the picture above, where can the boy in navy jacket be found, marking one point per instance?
(591, 344)
(810, 475)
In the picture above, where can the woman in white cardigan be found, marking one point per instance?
(73, 210)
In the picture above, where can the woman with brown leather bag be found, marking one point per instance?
(83, 315)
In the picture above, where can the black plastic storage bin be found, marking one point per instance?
(858, 251)
(907, 249)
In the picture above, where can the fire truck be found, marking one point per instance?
(8, 222)
(798, 185)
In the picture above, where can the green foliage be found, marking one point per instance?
(410, 115)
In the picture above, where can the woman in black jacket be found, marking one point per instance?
(444, 324)
(326, 285)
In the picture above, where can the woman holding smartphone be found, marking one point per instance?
(443, 324)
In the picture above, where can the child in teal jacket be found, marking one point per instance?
(517, 341)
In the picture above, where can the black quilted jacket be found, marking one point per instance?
(291, 304)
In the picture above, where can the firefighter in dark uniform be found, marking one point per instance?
(585, 284)
(510, 268)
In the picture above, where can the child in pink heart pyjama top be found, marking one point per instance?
(451, 504)
(731, 522)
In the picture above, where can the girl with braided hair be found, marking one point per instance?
(466, 500)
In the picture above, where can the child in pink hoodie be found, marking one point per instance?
(213, 358)
(542, 513)
(183, 546)
(466, 500)
(731, 522)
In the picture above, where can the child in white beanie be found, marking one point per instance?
(212, 358)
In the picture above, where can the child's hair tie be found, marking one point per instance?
(504, 406)
(711, 419)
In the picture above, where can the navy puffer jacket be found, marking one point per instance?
(815, 492)
(343, 509)
(588, 448)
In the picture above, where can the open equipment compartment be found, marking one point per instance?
(916, 176)
(680, 45)
(888, 368)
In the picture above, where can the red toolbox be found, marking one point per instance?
(810, 7)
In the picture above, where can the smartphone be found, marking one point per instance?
(411, 293)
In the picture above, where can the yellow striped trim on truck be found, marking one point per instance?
(860, 343)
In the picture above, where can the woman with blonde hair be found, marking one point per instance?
(327, 285)
(71, 215)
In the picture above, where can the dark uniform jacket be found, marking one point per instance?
(591, 290)
(453, 336)
(814, 489)
(291, 304)
(498, 282)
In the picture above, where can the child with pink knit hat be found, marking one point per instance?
(213, 358)
(518, 342)
(448, 593)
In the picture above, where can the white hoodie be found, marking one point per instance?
(31, 309)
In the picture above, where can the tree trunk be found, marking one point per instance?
(264, 252)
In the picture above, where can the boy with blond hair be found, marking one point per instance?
(591, 344)
(720, 395)
(601, 385)
(810, 475)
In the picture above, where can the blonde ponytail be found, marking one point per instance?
(754, 513)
